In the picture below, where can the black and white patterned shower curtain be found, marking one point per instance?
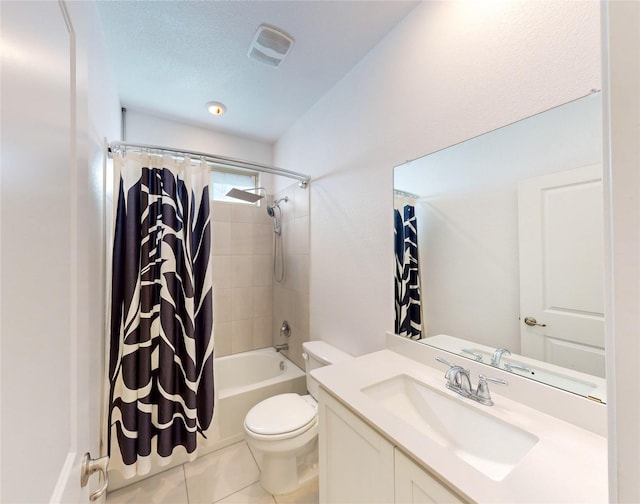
(407, 282)
(160, 352)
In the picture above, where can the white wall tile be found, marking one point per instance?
(222, 303)
(247, 310)
(221, 267)
(301, 197)
(304, 276)
(220, 211)
(241, 335)
(260, 215)
(222, 338)
(263, 238)
(241, 271)
(301, 234)
(241, 238)
(262, 301)
(301, 319)
(241, 212)
(262, 332)
(288, 237)
(220, 238)
(241, 303)
(262, 270)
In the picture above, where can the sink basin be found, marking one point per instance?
(488, 444)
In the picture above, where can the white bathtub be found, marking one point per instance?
(241, 381)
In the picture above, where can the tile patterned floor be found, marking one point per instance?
(227, 476)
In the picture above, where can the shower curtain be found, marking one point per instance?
(160, 353)
(407, 275)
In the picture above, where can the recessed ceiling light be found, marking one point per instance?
(216, 108)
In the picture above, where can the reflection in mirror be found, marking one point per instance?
(499, 248)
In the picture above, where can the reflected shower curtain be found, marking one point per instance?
(161, 340)
(407, 282)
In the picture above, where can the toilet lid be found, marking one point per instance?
(280, 414)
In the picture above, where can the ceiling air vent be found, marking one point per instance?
(269, 46)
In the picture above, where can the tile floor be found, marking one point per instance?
(227, 476)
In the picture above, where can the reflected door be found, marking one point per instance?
(561, 269)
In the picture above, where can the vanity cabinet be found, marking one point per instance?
(358, 465)
(416, 486)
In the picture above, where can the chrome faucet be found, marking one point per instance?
(476, 356)
(482, 394)
(281, 347)
(497, 355)
(510, 366)
(458, 380)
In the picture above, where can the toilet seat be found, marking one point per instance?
(281, 417)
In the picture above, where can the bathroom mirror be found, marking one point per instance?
(508, 228)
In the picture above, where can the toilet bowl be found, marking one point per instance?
(283, 430)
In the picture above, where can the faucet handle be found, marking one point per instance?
(454, 367)
(509, 366)
(482, 394)
(476, 355)
(440, 359)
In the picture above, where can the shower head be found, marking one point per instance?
(271, 209)
(245, 195)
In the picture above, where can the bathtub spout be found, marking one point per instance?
(283, 346)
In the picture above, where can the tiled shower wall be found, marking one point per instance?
(249, 305)
(291, 296)
(242, 279)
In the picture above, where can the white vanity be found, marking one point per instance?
(390, 431)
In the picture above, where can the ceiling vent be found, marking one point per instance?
(269, 46)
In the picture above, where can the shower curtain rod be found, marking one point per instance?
(303, 179)
(405, 193)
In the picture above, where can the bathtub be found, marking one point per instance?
(241, 381)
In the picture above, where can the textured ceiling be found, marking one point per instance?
(170, 58)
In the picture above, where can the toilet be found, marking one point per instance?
(282, 430)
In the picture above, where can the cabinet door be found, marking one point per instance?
(356, 463)
(414, 485)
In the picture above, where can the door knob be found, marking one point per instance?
(89, 466)
(530, 321)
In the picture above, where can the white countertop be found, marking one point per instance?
(568, 464)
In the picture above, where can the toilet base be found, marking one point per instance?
(284, 472)
(282, 475)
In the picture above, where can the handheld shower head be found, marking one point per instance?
(271, 209)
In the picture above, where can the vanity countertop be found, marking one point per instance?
(567, 464)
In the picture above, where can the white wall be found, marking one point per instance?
(621, 24)
(99, 121)
(148, 129)
(448, 72)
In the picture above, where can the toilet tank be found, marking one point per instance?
(318, 354)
